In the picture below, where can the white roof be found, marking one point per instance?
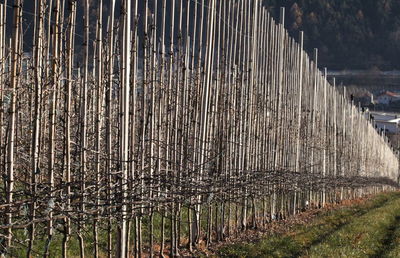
(393, 121)
(397, 120)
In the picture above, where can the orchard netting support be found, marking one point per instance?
(161, 126)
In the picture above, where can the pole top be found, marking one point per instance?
(282, 16)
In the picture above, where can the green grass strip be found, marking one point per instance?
(331, 234)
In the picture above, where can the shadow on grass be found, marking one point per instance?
(303, 239)
(387, 242)
(342, 223)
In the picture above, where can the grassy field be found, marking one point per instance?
(368, 229)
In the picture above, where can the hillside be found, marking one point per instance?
(350, 34)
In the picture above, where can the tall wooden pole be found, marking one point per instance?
(83, 126)
(325, 135)
(2, 82)
(68, 98)
(14, 80)
(98, 119)
(126, 41)
(37, 115)
(299, 112)
(109, 121)
(52, 120)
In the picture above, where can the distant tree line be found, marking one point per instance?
(350, 34)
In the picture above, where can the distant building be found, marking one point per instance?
(389, 127)
(385, 122)
(365, 99)
(387, 97)
(382, 116)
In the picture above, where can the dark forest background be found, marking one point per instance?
(350, 34)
